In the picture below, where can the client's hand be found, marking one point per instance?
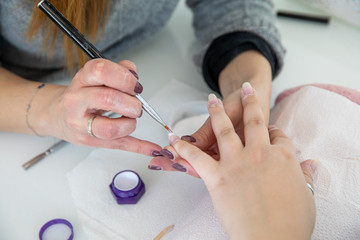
(257, 187)
(101, 86)
(250, 66)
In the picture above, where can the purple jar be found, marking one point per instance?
(127, 187)
(57, 229)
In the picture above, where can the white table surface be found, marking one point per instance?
(316, 53)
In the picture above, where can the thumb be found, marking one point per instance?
(308, 168)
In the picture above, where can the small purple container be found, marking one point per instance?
(57, 228)
(127, 187)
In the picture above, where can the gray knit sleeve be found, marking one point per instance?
(213, 18)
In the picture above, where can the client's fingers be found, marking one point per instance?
(255, 129)
(278, 137)
(227, 139)
(308, 168)
(203, 164)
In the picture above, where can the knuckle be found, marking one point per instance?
(226, 131)
(95, 68)
(255, 121)
(217, 182)
(108, 97)
(122, 144)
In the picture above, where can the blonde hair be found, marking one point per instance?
(86, 15)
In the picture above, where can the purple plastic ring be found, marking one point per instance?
(127, 187)
(55, 222)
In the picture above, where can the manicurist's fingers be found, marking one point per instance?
(255, 130)
(128, 143)
(227, 139)
(203, 164)
(112, 128)
(111, 100)
(131, 66)
(98, 72)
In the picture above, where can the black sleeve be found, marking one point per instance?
(226, 47)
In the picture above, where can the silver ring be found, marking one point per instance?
(89, 123)
(310, 187)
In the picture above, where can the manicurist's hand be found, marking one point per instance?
(101, 86)
(257, 185)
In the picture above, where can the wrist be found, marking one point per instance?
(45, 109)
(250, 66)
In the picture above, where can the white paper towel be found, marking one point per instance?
(325, 126)
(322, 124)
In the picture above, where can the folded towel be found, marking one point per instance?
(322, 124)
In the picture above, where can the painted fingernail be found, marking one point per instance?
(188, 138)
(167, 153)
(314, 165)
(156, 153)
(173, 138)
(212, 100)
(153, 167)
(138, 87)
(247, 90)
(179, 167)
(134, 73)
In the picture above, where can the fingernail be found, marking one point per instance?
(179, 167)
(272, 127)
(134, 73)
(314, 165)
(167, 153)
(138, 87)
(188, 138)
(173, 138)
(156, 153)
(153, 167)
(212, 100)
(247, 90)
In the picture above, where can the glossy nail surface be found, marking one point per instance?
(167, 153)
(134, 73)
(138, 88)
(247, 90)
(188, 138)
(173, 138)
(179, 167)
(212, 100)
(153, 167)
(156, 154)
